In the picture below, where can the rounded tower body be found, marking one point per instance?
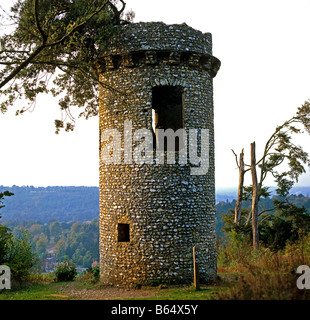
(155, 209)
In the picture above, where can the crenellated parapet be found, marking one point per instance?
(202, 62)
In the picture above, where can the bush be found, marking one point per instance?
(235, 255)
(65, 271)
(21, 257)
(96, 273)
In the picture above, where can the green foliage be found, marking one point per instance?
(96, 273)
(281, 220)
(21, 257)
(235, 252)
(41, 245)
(55, 230)
(289, 223)
(2, 195)
(63, 39)
(262, 193)
(60, 248)
(82, 243)
(280, 148)
(65, 271)
(5, 243)
(16, 251)
(78, 241)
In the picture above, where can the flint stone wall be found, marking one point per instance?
(168, 209)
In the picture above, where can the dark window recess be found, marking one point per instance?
(123, 232)
(167, 113)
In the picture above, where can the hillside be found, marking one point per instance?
(71, 204)
(64, 204)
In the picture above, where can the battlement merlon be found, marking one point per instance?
(159, 39)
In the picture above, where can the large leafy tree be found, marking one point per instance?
(52, 46)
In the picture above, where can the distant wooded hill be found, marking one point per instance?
(64, 204)
(79, 204)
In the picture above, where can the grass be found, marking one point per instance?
(186, 293)
(256, 284)
(34, 292)
(264, 274)
(244, 274)
(54, 291)
(205, 293)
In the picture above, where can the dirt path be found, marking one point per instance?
(71, 290)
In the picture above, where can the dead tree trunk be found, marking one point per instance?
(240, 189)
(254, 198)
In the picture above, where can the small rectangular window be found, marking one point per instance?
(123, 232)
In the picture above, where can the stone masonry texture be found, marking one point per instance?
(168, 210)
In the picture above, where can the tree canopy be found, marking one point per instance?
(52, 46)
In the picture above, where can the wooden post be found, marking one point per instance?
(196, 274)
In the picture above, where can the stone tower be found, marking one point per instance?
(156, 76)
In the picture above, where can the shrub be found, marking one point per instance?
(65, 271)
(21, 257)
(92, 274)
(236, 255)
(96, 273)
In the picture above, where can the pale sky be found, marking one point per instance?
(264, 47)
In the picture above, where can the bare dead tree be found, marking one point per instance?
(255, 190)
(242, 172)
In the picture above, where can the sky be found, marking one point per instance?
(264, 48)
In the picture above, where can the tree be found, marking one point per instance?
(242, 172)
(2, 195)
(16, 250)
(55, 230)
(60, 248)
(41, 245)
(5, 241)
(21, 256)
(5, 232)
(36, 229)
(254, 198)
(59, 39)
(289, 222)
(279, 149)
